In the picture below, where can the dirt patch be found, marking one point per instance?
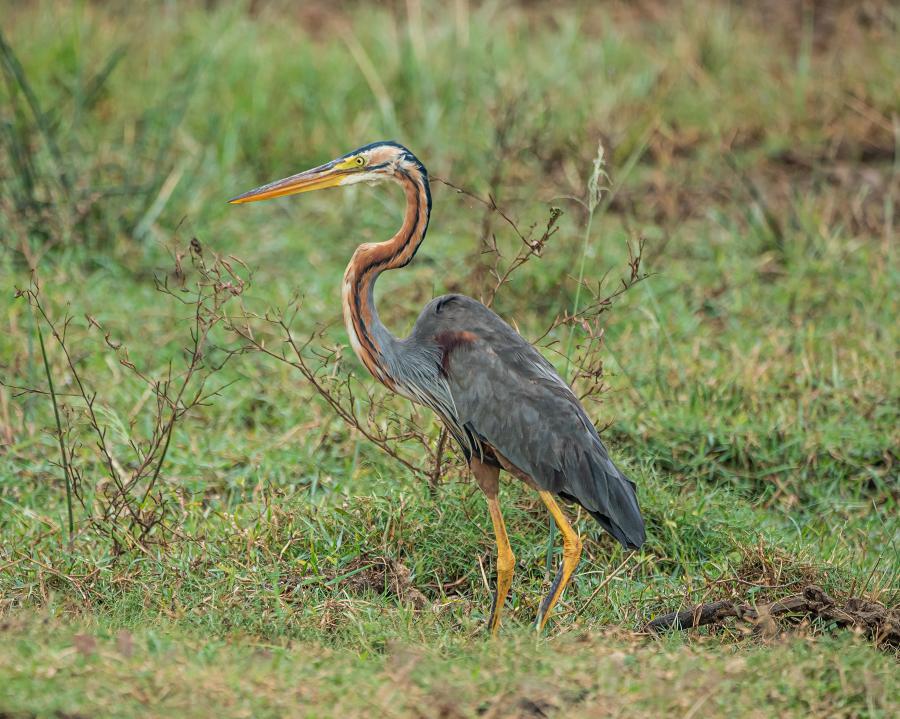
(371, 573)
(381, 575)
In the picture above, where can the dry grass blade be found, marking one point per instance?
(606, 580)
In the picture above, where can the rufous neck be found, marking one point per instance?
(371, 340)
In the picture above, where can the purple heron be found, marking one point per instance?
(500, 399)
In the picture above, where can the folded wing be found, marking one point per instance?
(508, 396)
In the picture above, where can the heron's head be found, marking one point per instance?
(371, 163)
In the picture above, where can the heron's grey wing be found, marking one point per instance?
(507, 394)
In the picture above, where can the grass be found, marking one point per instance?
(577, 676)
(751, 381)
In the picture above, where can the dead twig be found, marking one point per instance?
(880, 624)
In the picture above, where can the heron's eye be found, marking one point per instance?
(359, 161)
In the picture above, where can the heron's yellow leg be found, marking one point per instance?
(506, 563)
(488, 478)
(571, 557)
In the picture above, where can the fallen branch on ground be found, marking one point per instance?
(877, 622)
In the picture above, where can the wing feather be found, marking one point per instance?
(508, 395)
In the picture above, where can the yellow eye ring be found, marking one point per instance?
(360, 161)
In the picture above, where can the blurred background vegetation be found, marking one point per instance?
(750, 383)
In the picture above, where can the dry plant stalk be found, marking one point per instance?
(320, 365)
(177, 392)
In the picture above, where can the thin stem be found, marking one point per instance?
(59, 435)
(594, 192)
(577, 303)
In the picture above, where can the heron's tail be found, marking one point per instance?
(614, 504)
(631, 536)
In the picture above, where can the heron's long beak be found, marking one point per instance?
(327, 175)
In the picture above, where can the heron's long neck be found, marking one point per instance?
(371, 340)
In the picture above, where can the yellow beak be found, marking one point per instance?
(328, 175)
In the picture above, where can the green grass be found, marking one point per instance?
(151, 674)
(752, 385)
